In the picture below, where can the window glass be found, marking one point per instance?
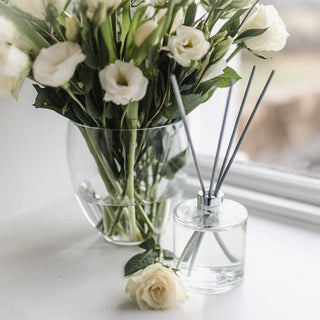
(286, 130)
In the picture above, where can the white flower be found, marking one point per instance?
(274, 38)
(37, 8)
(214, 70)
(55, 66)
(14, 68)
(8, 31)
(189, 44)
(144, 31)
(156, 287)
(123, 82)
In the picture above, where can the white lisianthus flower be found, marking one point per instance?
(55, 66)
(8, 31)
(156, 287)
(144, 31)
(37, 8)
(187, 45)
(14, 68)
(123, 82)
(214, 70)
(274, 38)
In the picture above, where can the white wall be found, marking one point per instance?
(33, 168)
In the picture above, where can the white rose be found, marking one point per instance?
(123, 82)
(189, 44)
(274, 38)
(156, 287)
(14, 68)
(37, 8)
(214, 70)
(55, 66)
(144, 31)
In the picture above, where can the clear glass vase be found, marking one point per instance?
(127, 181)
(209, 243)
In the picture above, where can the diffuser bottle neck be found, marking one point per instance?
(210, 205)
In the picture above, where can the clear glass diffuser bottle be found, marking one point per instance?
(209, 243)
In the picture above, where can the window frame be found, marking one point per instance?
(265, 191)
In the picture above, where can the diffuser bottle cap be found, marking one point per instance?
(210, 205)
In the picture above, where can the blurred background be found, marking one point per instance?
(286, 131)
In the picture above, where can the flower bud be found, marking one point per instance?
(144, 31)
(72, 28)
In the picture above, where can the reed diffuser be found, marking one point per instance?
(210, 231)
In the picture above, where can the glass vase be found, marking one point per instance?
(127, 180)
(209, 243)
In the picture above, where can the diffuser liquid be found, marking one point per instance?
(210, 254)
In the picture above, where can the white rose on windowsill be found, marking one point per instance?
(187, 45)
(156, 287)
(55, 66)
(14, 68)
(123, 82)
(37, 8)
(274, 38)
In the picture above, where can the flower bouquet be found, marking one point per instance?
(106, 65)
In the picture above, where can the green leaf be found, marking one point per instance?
(190, 102)
(135, 23)
(92, 108)
(174, 165)
(88, 49)
(140, 261)
(86, 76)
(250, 34)
(229, 25)
(223, 81)
(148, 244)
(190, 14)
(167, 254)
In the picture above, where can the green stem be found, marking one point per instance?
(132, 116)
(107, 33)
(235, 52)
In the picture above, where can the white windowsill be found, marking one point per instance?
(275, 194)
(53, 265)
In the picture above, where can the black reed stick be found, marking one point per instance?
(236, 124)
(220, 182)
(220, 139)
(183, 116)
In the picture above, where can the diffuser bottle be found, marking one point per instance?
(209, 243)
